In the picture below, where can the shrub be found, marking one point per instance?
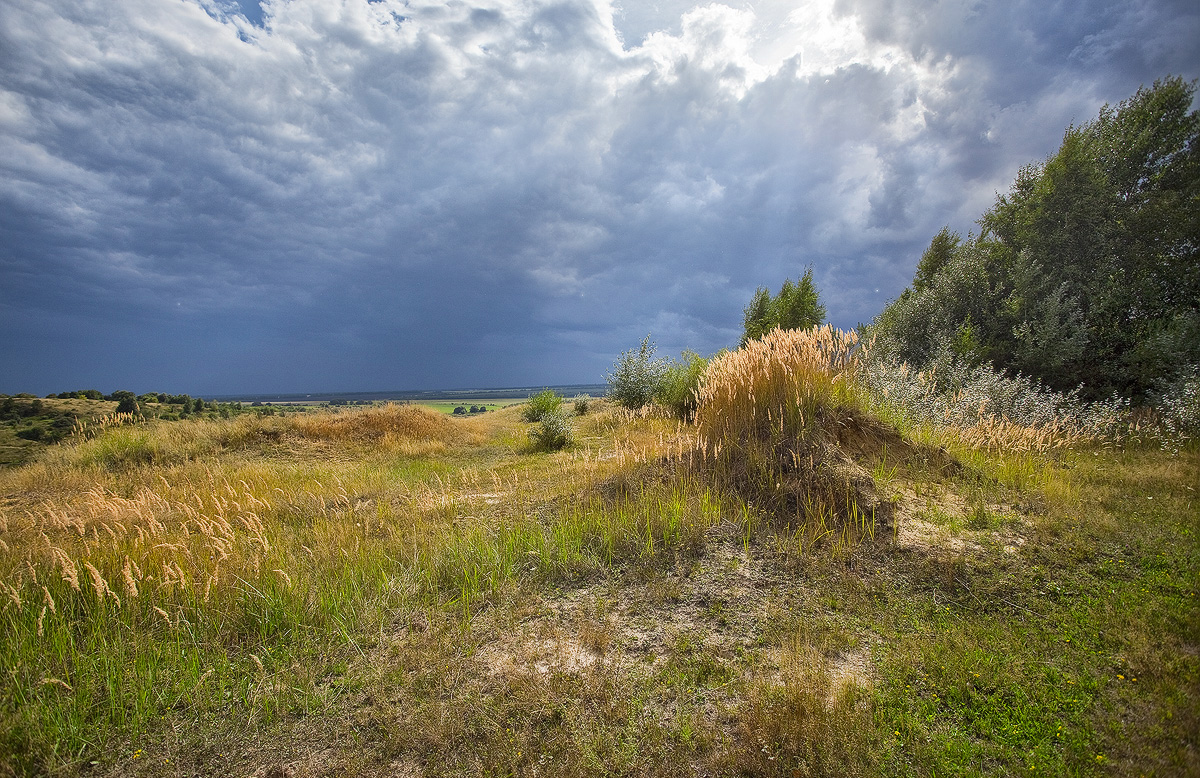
(541, 404)
(553, 431)
(994, 408)
(1179, 406)
(636, 376)
(582, 403)
(680, 384)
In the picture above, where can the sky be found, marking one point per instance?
(229, 197)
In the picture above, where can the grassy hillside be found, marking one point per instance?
(391, 591)
(28, 423)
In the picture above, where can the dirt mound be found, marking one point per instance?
(866, 438)
(818, 476)
(397, 421)
(780, 422)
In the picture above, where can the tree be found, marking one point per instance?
(757, 319)
(937, 256)
(796, 307)
(126, 401)
(1087, 271)
(801, 308)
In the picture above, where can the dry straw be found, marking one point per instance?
(775, 387)
(769, 420)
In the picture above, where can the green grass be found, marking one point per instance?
(14, 450)
(448, 406)
(472, 608)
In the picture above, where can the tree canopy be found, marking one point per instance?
(796, 307)
(1085, 271)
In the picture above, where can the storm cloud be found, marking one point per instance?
(226, 197)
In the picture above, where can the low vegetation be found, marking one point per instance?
(789, 586)
(640, 378)
(542, 404)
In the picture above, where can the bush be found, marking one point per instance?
(1179, 406)
(582, 403)
(952, 393)
(636, 377)
(680, 384)
(542, 404)
(553, 432)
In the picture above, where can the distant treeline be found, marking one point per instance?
(120, 395)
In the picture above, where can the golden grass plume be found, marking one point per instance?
(769, 421)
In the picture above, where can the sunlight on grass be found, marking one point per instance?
(235, 575)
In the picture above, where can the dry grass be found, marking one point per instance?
(777, 387)
(120, 442)
(87, 428)
(604, 609)
(383, 425)
(770, 420)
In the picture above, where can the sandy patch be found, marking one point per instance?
(533, 654)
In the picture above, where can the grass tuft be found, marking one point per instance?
(771, 419)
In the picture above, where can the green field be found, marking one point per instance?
(448, 406)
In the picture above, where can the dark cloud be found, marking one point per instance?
(220, 196)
